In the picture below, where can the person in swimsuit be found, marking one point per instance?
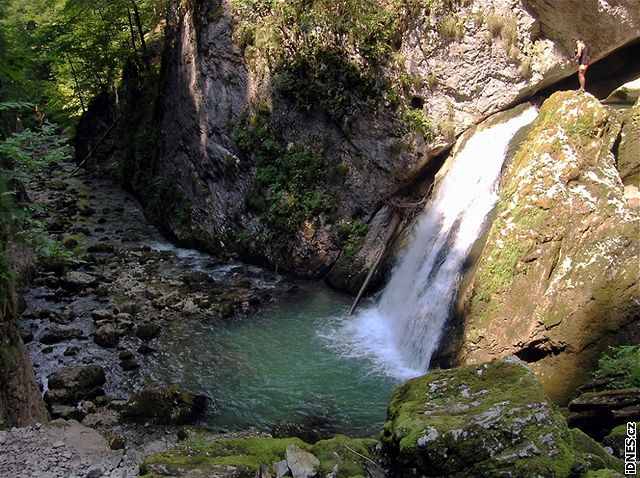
(581, 55)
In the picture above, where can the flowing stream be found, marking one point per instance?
(402, 330)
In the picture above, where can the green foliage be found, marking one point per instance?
(510, 31)
(15, 105)
(328, 80)
(61, 53)
(451, 28)
(526, 67)
(448, 130)
(46, 248)
(289, 186)
(34, 150)
(416, 121)
(351, 236)
(620, 366)
(21, 156)
(495, 24)
(505, 27)
(323, 52)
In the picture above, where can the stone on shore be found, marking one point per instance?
(165, 405)
(71, 384)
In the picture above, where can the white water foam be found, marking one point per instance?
(401, 333)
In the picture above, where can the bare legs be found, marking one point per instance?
(582, 69)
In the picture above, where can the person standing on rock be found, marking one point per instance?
(581, 55)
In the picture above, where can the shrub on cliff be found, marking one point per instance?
(620, 367)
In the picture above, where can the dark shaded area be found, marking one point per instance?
(604, 76)
(417, 103)
(537, 350)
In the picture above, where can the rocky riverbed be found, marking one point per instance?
(91, 329)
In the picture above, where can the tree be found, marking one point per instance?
(72, 49)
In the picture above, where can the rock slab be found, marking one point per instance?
(60, 449)
(302, 464)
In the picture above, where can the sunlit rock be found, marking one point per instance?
(558, 278)
(484, 420)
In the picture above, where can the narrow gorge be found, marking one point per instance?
(176, 283)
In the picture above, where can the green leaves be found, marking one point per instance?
(620, 366)
(33, 150)
(21, 155)
(417, 122)
(15, 105)
(290, 181)
(61, 53)
(323, 52)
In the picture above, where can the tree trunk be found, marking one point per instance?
(75, 80)
(143, 45)
(133, 34)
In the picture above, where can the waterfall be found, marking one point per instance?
(402, 331)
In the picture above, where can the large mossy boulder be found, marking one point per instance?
(70, 385)
(488, 420)
(250, 456)
(558, 278)
(165, 405)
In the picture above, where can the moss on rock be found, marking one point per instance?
(615, 440)
(553, 284)
(486, 420)
(590, 455)
(242, 457)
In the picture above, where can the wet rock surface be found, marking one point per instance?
(72, 384)
(167, 405)
(92, 327)
(558, 278)
(130, 285)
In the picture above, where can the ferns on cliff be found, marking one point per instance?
(289, 185)
(22, 155)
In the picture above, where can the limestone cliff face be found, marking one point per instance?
(458, 63)
(558, 279)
